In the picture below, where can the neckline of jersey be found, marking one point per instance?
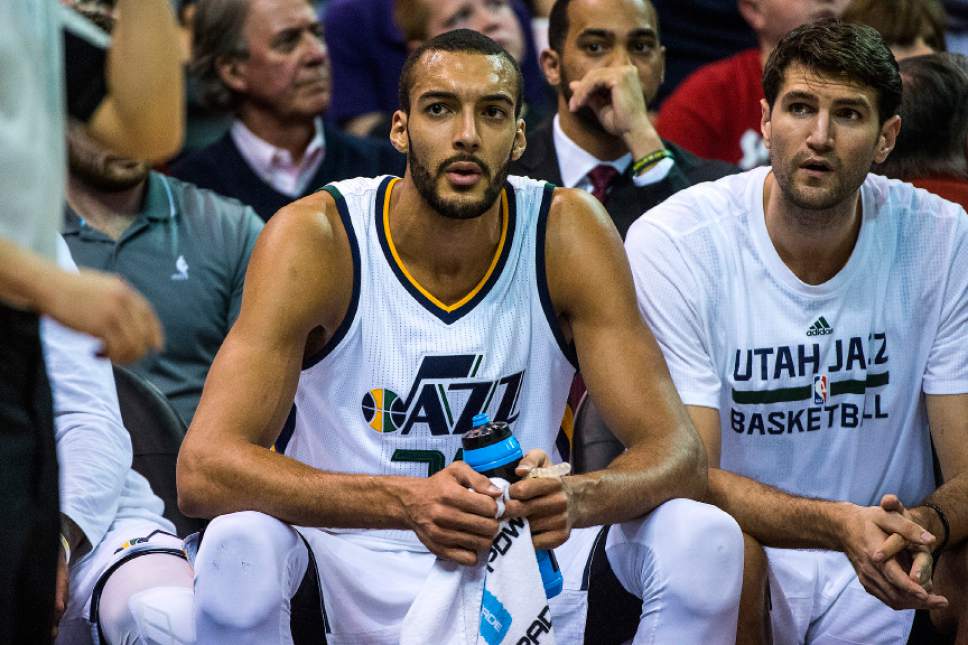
(781, 273)
(404, 274)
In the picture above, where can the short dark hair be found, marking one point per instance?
(934, 119)
(558, 24)
(464, 41)
(849, 51)
(901, 22)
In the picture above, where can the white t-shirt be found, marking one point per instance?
(819, 387)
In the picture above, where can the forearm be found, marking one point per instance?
(637, 481)
(776, 518)
(25, 277)
(143, 113)
(643, 139)
(246, 476)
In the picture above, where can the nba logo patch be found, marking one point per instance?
(820, 391)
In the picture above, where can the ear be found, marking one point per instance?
(887, 138)
(752, 14)
(551, 66)
(520, 141)
(232, 73)
(398, 132)
(765, 123)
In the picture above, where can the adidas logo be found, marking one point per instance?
(820, 328)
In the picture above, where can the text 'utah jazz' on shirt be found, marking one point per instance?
(819, 387)
(401, 378)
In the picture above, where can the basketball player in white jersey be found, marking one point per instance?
(379, 316)
(815, 320)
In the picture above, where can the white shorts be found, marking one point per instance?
(126, 537)
(369, 584)
(817, 599)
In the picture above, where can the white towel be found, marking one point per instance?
(499, 601)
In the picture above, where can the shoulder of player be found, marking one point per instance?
(574, 211)
(312, 223)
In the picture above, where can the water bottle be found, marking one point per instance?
(491, 449)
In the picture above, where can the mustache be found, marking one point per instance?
(442, 168)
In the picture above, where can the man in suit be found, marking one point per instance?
(265, 62)
(606, 61)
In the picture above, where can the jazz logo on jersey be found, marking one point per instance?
(445, 395)
(820, 389)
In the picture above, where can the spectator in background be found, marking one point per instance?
(606, 62)
(123, 574)
(368, 50)
(932, 149)
(715, 113)
(130, 102)
(909, 27)
(185, 248)
(265, 62)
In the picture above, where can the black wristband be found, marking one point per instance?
(944, 524)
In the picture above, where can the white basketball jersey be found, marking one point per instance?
(401, 378)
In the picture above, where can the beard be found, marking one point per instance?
(104, 173)
(813, 202)
(426, 182)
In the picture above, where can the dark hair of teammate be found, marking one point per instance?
(934, 119)
(852, 52)
(463, 41)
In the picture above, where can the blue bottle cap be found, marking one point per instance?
(480, 419)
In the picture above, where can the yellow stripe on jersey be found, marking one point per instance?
(505, 218)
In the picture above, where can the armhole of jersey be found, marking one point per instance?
(350, 315)
(542, 277)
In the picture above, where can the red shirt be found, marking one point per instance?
(951, 188)
(715, 113)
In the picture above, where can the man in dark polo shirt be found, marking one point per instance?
(185, 248)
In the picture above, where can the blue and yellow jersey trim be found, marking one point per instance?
(448, 313)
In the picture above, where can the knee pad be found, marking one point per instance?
(692, 551)
(248, 563)
(159, 616)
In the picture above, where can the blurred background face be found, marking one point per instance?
(771, 19)
(98, 167)
(287, 68)
(493, 18)
(608, 33)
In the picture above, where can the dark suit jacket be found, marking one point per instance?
(625, 201)
(221, 167)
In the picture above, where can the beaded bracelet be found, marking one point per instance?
(67, 549)
(650, 160)
(944, 525)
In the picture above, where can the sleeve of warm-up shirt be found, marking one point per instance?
(93, 448)
(947, 368)
(670, 300)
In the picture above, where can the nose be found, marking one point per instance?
(467, 138)
(620, 57)
(821, 132)
(316, 51)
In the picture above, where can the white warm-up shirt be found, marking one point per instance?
(819, 387)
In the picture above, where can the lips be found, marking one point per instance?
(817, 165)
(464, 173)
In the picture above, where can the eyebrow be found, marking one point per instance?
(437, 94)
(604, 33)
(799, 95)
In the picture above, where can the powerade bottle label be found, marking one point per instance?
(491, 449)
